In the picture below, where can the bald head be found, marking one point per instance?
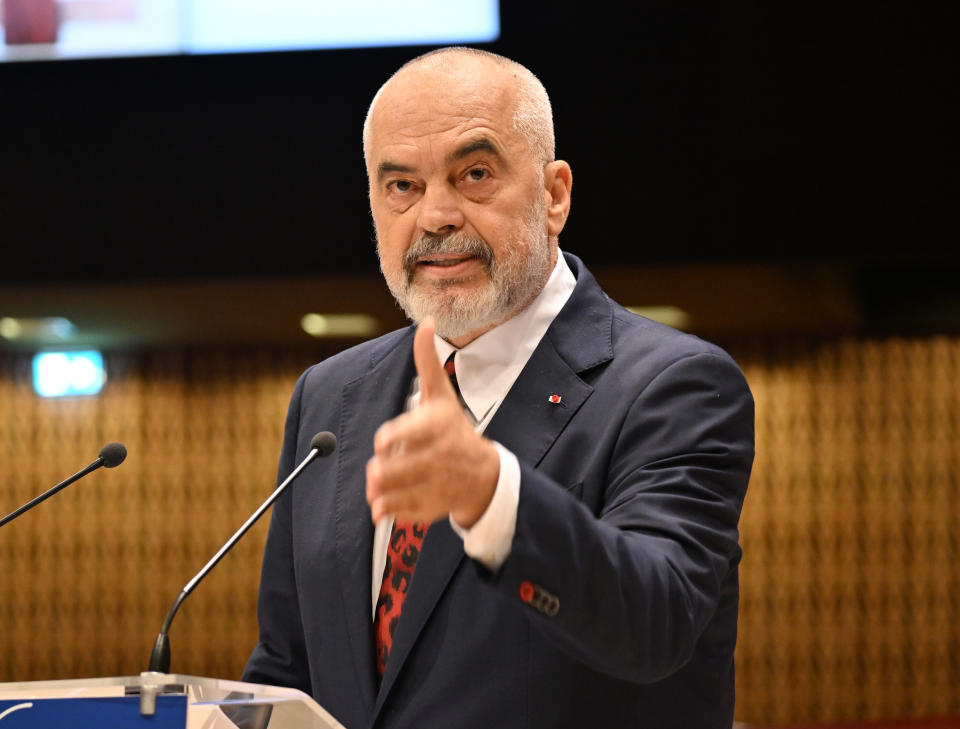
(459, 74)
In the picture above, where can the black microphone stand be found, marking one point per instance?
(111, 455)
(322, 444)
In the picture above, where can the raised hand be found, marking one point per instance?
(430, 462)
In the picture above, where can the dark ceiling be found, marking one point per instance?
(727, 132)
(716, 134)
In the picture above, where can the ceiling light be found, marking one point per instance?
(40, 329)
(672, 316)
(339, 325)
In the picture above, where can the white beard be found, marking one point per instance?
(516, 276)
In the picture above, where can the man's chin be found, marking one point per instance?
(437, 295)
(456, 312)
(425, 283)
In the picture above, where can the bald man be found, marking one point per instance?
(531, 519)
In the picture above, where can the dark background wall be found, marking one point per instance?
(722, 133)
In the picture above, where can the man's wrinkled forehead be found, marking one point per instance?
(420, 102)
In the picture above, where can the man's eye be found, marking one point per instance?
(477, 174)
(401, 185)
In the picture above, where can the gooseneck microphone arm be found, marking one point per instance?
(321, 445)
(112, 454)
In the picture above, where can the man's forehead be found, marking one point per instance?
(428, 110)
(419, 95)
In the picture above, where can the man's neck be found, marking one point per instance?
(461, 342)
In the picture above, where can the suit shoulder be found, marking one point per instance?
(353, 362)
(637, 335)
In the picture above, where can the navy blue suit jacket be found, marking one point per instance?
(631, 491)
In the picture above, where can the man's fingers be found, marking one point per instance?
(408, 432)
(396, 489)
(434, 382)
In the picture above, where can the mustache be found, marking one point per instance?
(429, 244)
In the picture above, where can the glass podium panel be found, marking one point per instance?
(159, 701)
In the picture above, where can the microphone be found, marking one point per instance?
(111, 455)
(321, 446)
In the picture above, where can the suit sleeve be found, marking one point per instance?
(279, 657)
(638, 568)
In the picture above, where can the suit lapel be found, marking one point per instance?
(368, 401)
(549, 390)
(528, 421)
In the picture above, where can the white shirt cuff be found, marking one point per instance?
(489, 540)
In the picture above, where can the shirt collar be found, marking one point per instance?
(488, 366)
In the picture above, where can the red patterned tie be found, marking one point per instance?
(402, 552)
(406, 540)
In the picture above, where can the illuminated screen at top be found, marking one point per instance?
(61, 29)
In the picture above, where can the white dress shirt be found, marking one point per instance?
(486, 370)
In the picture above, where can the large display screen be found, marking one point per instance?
(64, 29)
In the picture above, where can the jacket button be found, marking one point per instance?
(527, 591)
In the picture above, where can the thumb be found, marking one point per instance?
(434, 382)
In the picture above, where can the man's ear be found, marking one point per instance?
(557, 179)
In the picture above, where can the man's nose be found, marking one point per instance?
(440, 211)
